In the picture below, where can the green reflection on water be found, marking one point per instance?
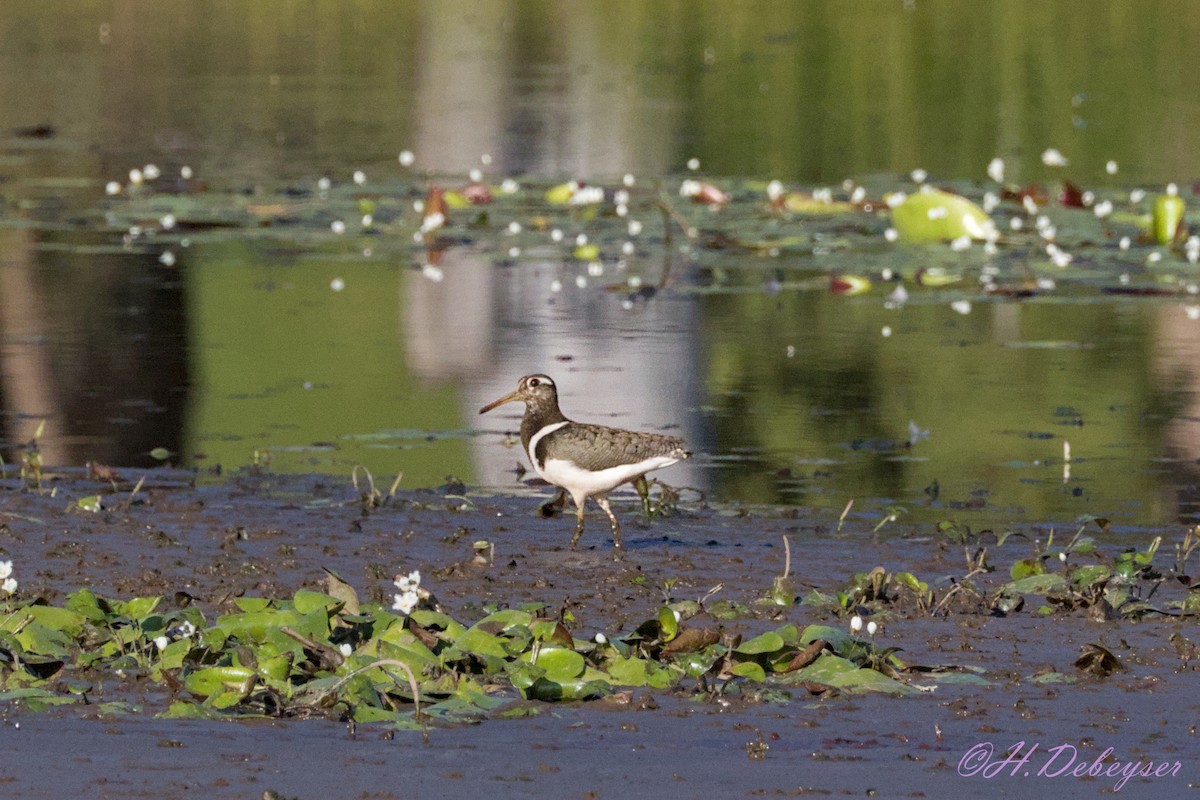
(813, 90)
(283, 363)
(999, 391)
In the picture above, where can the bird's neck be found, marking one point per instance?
(537, 417)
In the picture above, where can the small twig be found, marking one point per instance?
(787, 558)
(845, 513)
(396, 483)
(133, 494)
(23, 518)
(670, 212)
(367, 472)
(301, 638)
(957, 586)
(711, 592)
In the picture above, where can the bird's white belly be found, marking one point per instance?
(585, 483)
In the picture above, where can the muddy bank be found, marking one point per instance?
(270, 536)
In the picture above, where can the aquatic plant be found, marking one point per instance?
(323, 653)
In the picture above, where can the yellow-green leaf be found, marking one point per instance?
(936, 216)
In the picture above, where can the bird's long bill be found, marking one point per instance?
(508, 398)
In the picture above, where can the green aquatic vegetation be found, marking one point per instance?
(325, 653)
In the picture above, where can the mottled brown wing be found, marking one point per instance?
(596, 447)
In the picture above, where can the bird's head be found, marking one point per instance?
(533, 390)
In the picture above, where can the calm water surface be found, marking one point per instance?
(264, 337)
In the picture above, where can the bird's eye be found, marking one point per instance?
(534, 382)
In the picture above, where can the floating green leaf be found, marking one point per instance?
(215, 680)
(1026, 567)
(842, 673)
(768, 642)
(306, 601)
(1046, 583)
(749, 669)
(561, 664)
(932, 215)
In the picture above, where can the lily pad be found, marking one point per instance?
(215, 680)
(561, 664)
(1046, 583)
(839, 672)
(768, 642)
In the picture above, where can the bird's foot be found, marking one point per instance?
(553, 507)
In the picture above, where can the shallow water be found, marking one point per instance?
(238, 350)
(250, 340)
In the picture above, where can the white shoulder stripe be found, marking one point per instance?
(533, 443)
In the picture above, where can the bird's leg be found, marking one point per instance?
(578, 525)
(643, 490)
(552, 508)
(602, 501)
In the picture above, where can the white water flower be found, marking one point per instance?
(9, 586)
(587, 195)
(433, 221)
(405, 603)
(161, 642)
(1054, 158)
(345, 648)
(995, 170)
(871, 628)
(856, 623)
(6, 568)
(409, 582)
